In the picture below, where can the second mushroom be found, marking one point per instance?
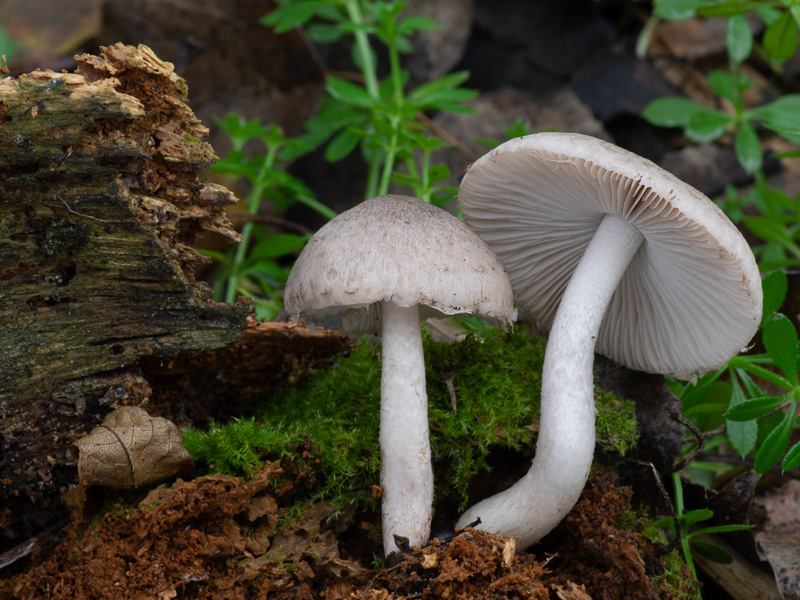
(377, 264)
(611, 252)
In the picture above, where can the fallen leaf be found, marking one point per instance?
(572, 591)
(131, 449)
(777, 539)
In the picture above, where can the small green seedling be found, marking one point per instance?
(690, 540)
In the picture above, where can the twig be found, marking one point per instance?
(662, 492)
(276, 221)
(698, 436)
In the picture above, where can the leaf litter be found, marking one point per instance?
(220, 536)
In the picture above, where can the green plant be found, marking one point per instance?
(253, 267)
(689, 538)
(384, 118)
(730, 406)
(735, 409)
(767, 212)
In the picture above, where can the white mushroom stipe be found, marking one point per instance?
(608, 251)
(406, 475)
(565, 446)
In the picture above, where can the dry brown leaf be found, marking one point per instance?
(572, 591)
(131, 449)
(778, 538)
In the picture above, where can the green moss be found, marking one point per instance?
(677, 579)
(483, 394)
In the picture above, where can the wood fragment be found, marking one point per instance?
(101, 200)
(741, 579)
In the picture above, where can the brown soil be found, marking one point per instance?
(218, 537)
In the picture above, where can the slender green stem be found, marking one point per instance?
(316, 205)
(373, 172)
(411, 167)
(426, 174)
(643, 41)
(252, 203)
(396, 118)
(683, 536)
(388, 161)
(738, 103)
(374, 158)
(362, 46)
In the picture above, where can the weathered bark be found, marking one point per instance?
(100, 201)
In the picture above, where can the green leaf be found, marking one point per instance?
(291, 14)
(672, 111)
(721, 529)
(754, 408)
(410, 25)
(768, 14)
(349, 92)
(739, 38)
(729, 9)
(695, 516)
(715, 408)
(711, 551)
(792, 459)
(342, 145)
(324, 33)
(780, 340)
(279, 244)
(431, 89)
(707, 125)
(769, 230)
(782, 114)
(748, 148)
(677, 10)
(774, 446)
(220, 257)
(742, 436)
(438, 173)
(267, 270)
(775, 285)
(722, 84)
(780, 38)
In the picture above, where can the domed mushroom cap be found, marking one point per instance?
(400, 249)
(691, 297)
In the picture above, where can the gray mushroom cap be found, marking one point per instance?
(691, 297)
(400, 249)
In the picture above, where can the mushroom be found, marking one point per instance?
(607, 250)
(380, 261)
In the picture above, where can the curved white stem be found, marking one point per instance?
(536, 503)
(406, 473)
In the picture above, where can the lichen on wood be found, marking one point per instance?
(101, 199)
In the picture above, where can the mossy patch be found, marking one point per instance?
(483, 394)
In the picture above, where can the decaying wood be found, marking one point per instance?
(742, 579)
(100, 202)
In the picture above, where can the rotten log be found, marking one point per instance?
(101, 199)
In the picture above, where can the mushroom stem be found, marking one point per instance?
(536, 503)
(406, 473)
